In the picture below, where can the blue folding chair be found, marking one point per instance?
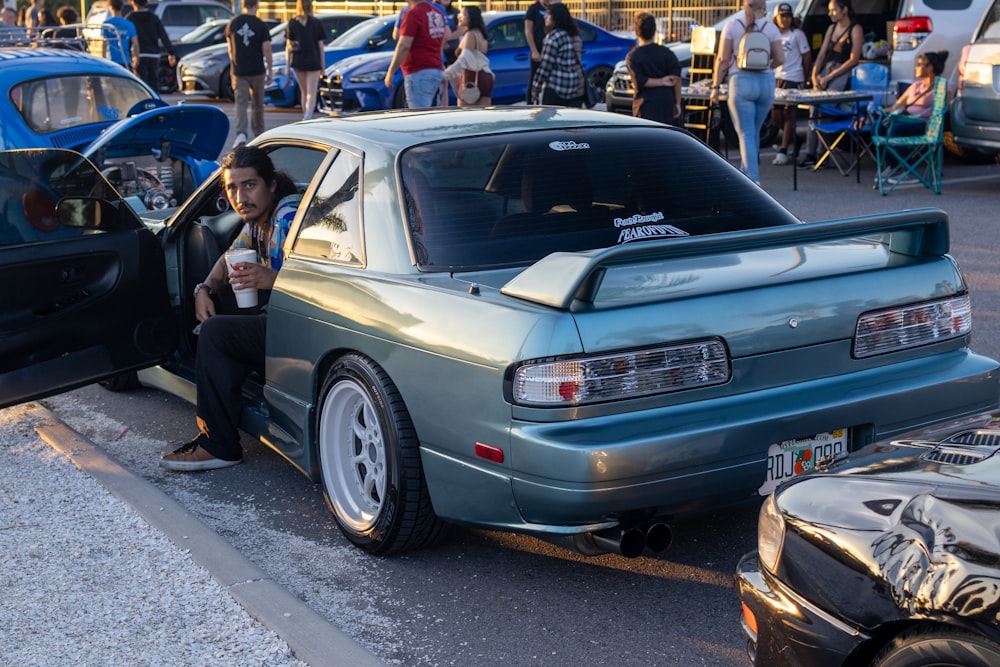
(846, 125)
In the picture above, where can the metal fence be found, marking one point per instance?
(675, 17)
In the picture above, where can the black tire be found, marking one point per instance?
(938, 646)
(967, 153)
(124, 382)
(598, 77)
(226, 91)
(399, 97)
(369, 458)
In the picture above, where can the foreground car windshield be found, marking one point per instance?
(60, 103)
(506, 201)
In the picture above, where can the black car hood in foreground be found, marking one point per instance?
(911, 530)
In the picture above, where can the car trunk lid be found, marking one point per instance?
(761, 291)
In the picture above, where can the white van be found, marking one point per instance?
(917, 26)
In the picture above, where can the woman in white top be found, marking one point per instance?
(751, 92)
(472, 64)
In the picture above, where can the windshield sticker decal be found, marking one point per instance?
(568, 145)
(634, 228)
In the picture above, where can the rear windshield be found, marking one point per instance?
(67, 101)
(509, 200)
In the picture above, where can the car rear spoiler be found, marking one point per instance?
(567, 280)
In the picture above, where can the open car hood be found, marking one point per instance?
(196, 132)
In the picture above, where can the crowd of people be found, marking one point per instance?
(134, 35)
(440, 47)
(751, 89)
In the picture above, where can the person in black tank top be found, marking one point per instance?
(840, 52)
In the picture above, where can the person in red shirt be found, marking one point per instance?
(422, 31)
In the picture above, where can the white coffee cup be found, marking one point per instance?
(246, 297)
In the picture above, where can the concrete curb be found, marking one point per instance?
(309, 635)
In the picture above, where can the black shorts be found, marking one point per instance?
(785, 83)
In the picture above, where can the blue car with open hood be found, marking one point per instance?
(157, 155)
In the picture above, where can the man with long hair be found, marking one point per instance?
(230, 347)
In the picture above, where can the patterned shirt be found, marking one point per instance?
(559, 69)
(281, 221)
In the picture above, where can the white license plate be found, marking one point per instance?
(790, 458)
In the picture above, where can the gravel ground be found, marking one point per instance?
(85, 581)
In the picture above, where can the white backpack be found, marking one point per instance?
(754, 53)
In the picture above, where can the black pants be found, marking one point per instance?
(229, 348)
(148, 69)
(533, 67)
(551, 98)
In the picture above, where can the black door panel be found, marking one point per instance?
(86, 305)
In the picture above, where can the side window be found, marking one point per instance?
(33, 183)
(991, 24)
(180, 15)
(209, 13)
(331, 227)
(508, 35)
(299, 162)
(587, 34)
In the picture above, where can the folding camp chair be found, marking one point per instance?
(921, 156)
(870, 78)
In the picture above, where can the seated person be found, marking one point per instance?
(918, 99)
(230, 347)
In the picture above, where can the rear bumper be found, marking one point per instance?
(791, 631)
(974, 133)
(697, 456)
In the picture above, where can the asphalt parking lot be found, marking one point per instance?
(482, 598)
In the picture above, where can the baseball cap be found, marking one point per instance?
(783, 8)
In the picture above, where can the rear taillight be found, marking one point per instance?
(909, 32)
(611, 377)
(910, 326)
(961, 63)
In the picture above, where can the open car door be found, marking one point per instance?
(84, 281)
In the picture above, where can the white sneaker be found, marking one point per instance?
(777, 148)
(780, 158)
(240, 140)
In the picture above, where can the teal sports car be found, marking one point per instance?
(567, 323)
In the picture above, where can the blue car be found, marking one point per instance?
(155, 155)
(357, 83)
(373, 35)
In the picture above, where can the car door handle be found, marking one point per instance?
(56, 306)
(522, 56)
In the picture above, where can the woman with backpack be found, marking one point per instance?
(750, 49)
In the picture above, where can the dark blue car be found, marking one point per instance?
(357, 83)
(373, 35)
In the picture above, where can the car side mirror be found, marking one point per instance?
(86, 213)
